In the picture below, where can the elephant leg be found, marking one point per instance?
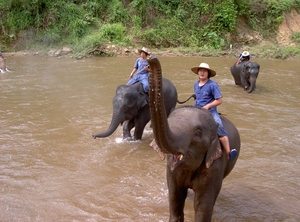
(177, 193)
(204, 205)
(127, 126)
(177, 196)
(245, 83)
(140, 122)
(236, 78)
(206, 194)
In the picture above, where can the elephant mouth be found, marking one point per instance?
(175, 160)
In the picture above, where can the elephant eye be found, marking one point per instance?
(198, 132)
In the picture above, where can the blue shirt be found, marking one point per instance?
(139, 65)
(206, 94)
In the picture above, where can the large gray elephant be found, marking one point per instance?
(131, 108)
(245, 74)
(195, 159)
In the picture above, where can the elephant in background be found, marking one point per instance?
(245, 74)
(131, 108)
(195, 159)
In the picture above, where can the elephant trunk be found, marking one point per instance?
(116, 120)
(252, 84)
(163, 136)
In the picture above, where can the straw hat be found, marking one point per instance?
(145, 50)
(245, 54)
(203, 66)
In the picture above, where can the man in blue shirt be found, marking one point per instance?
(141, 68)
(208, 96)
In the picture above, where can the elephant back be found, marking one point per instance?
(170, 95)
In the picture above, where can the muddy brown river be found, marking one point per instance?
(51, 169)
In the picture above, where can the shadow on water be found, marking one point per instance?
(51, 168)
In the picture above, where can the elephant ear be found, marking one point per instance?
(143, 100)
(214, 152)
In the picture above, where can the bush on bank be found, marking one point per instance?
(87, 24)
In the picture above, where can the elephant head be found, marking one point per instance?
(127, 103)
(245, 74)
(195, 158)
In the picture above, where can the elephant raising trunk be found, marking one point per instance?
(195, 158)
(161, 129)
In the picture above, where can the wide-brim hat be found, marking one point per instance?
(145, 50)
(203, 66)
(245, 53)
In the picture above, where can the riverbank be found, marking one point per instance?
(262, 50)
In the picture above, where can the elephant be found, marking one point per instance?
(131, 108)
(245, 74)
(195, 159)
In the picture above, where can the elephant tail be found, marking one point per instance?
(182, 102)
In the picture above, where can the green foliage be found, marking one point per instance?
(155, 23)
(118, 13)
(213, 40)
(18, 19)
(73, 20)
(224, 17)
(242, 7)
(89, 42)
(279, 52)
(50, 36)
(113, 32)
(96, 8)
(284, 53)
(266, 15)
(296, 38)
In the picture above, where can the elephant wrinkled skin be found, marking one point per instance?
(195, 159)
(245, 74)
(131, 108)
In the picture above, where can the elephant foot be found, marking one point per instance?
(129, 139)
(233, 154)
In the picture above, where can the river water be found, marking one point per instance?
(51, 169)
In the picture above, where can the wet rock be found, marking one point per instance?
(66, 50)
